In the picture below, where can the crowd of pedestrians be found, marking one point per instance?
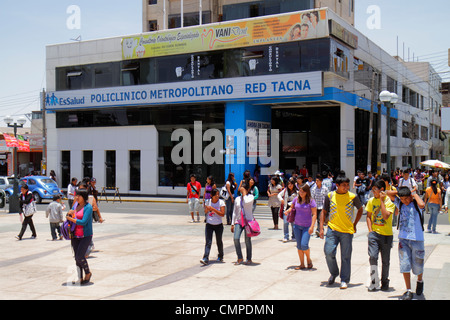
(324, 206)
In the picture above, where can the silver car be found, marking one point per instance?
(5, 182)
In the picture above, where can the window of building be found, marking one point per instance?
(130, 73)
(150, 2)
(424, 133)
(106, 75)
(264, 7)
(135, 170)
(110, 167)
(153, 25)
(189, 19)
(178, 117)
(299, 56)
(65, 169)
(406, 129)
(87, 163)
(393, 127)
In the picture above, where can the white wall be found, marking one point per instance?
(121, 139)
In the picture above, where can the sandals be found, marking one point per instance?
(240, 261)
(302, 267)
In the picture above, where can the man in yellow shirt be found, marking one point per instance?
(338, 207)
(380, 210)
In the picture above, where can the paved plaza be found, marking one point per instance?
(156, 256)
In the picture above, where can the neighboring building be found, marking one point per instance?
(28, 161)
(114, 104)
(155, 18)
(446, 104)
(446, 94)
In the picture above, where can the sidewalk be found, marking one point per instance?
(162, 199)
(152, 257)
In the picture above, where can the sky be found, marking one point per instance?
(27, 26)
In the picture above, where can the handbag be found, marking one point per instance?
(252, 228)
(224, 192)
(291, 215)
(29, 209)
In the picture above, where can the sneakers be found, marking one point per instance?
(385, 285)
(419, 288)
(408, 295)
(331, 280)
(344, 285)
(204, 262)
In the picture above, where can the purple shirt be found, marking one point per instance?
(303, 213)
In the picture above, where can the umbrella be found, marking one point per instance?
(435, 164)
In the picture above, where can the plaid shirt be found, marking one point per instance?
(319, 196)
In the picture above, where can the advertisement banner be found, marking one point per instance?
(11, 141)
(23, 145)
(243, 88)
(301, 25)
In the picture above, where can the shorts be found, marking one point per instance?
(411, 255)
(194, 204)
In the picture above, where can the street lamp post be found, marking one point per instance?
(14, 199)
(389, 99)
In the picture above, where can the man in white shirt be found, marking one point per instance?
(408, 181)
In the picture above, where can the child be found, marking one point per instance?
(55, 211)
(380, 210)
(411, 247)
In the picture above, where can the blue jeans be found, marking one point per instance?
(302, 236)
(229, 210)
(237, 243)
(286, 228)
(434, 212)
(332, 240)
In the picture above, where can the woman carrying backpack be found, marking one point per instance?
(305, 219)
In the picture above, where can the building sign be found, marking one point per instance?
(296, 26)
(258, 142)
(343, 34)
(350, 147)
(243, 88)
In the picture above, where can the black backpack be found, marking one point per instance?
(419, 211)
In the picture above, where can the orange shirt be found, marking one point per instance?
(433, 198)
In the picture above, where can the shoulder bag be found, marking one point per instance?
(252, 228)
(29, 209)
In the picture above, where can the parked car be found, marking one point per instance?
(42, 187)
(6, 182)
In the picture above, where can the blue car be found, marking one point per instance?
(42, 187)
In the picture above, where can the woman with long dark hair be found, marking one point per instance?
(433, 195)
(242, 208)
(229, 202)
(305, 218)
(81, 215)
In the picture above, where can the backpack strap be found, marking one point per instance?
(419, 211)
